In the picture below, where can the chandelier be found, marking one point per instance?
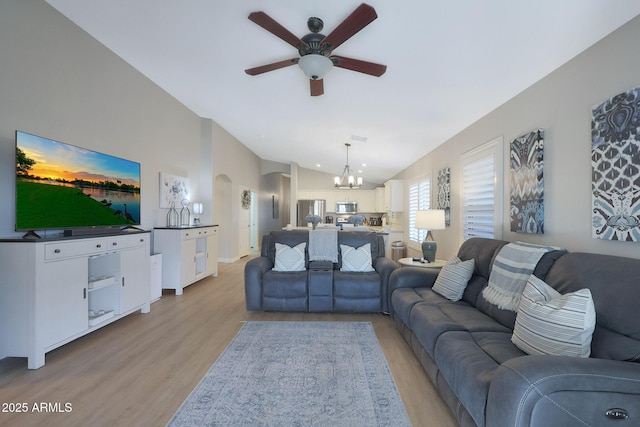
(347, 181)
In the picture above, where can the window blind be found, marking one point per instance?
(419, 199)
(479, 194)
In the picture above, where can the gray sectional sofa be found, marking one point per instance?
(320, 285)
(465, 346)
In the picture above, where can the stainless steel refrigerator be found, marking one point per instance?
(310, 207)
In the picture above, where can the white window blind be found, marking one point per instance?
(482, 199)
(419, 199)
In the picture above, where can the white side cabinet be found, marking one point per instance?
(188, 254)
(53, 291)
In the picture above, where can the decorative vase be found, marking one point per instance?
(314, 225)
(172, 216)
(185, 214)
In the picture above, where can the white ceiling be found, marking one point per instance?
(449, 63)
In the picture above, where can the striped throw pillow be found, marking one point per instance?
(289, 258)
(551, 323)
(453, 278)
(356, 259)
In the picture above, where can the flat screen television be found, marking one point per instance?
(61, 186)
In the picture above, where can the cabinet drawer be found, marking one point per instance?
(195, 233)
(124, 242)
(209, 231)
(189, 234)
(59, 250)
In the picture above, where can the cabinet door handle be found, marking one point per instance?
(84, 293)
(123, 281)
(115, 243)
(56, 251)
(98, 245)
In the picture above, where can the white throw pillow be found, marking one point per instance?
(356, 259)
(551, 323)
(290, 258)
(453, 278)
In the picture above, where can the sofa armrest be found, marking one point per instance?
(254, 269)
(550, 391)
(384, 267)
(410, 277)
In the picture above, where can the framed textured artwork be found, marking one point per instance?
(444, 193)
(615, 167)
(275, 206)
(173, 189)
(527, 183)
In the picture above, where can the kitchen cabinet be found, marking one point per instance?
(55, 290)
(188, 254)
(380, 200)
(394, 195)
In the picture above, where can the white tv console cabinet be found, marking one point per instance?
(188, 254)
(53, 291)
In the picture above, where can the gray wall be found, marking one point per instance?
(561, 105)
(57, 81)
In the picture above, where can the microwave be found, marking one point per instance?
(346, 207)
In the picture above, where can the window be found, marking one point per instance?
(482, 191)
(419, 199)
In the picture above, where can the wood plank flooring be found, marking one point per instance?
(138, 370)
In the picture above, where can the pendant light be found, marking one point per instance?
(347, 181)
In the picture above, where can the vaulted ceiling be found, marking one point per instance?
(449, 63)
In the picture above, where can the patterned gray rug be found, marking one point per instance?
(297, 374)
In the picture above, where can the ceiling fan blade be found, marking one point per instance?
(359, 18)
(317, 87)
(365, 67)
(269, 24)
(270, 67)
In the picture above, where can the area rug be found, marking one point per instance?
(297, 374)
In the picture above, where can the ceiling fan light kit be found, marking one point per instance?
(316, 49)
(315, 66)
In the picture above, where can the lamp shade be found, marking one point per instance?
(197, 208)
(315, 66)
(432, 219)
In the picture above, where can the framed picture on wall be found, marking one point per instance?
(173, 190)
(444, 193)
(275, 206)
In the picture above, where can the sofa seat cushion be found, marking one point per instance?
(360, 292)
(403, 300)
(466, 362)
(429, 320)
(284, 291)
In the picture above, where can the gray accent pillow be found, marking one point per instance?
(453, 278)
(551, 323)
(290, 258)
(356, 259)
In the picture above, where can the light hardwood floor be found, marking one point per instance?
(138, 370)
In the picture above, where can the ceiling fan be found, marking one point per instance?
(315, 49)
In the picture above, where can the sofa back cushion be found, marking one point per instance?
(484, 251)
(290, 238)
(356, 239)
(613, 282)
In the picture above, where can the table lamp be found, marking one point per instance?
(432, 219)
(198, 208)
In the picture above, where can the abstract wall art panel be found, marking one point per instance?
(615, 167)
(444, 193)
(527, 184)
